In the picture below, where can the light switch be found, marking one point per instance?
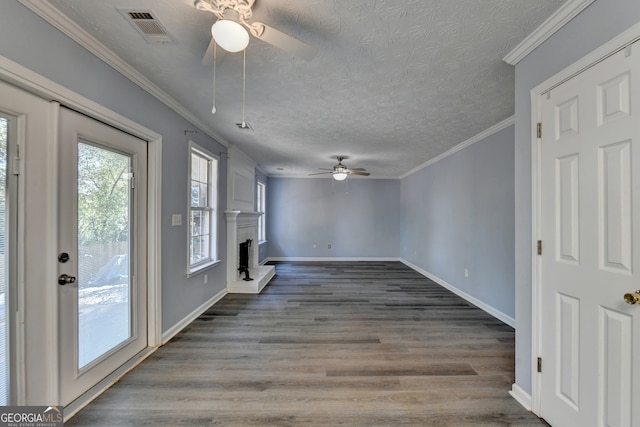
(176, 220)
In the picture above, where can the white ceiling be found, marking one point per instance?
(395, 83)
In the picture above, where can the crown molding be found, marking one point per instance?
(479, 137)
(548, 28)
(60, 21)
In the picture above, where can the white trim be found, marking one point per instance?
(536, 146)
(154, 240)
(477, 138)
(347, 259)
(612, 46)
(470, 298)
(60, 21)
(175, 329)
(521, 396)
(549, 27)
(52, 243)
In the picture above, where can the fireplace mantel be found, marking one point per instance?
(243, 225)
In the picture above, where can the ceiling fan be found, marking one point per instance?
(230, 34)
(341, 171)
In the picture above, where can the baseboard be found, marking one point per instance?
(173, 331)
(470, 298)
(348, 259)
(521, 396)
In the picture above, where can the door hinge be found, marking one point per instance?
(539, 247)
(539, 129)
(539, 364)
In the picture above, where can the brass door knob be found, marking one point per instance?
(632, 298)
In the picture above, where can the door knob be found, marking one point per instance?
(65, 279)
(632, 298)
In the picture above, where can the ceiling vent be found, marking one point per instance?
(244, 126)
(145, 22)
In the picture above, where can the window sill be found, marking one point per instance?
(199, 269)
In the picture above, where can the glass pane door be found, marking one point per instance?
(104, 248)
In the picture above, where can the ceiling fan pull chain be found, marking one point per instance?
(213, 109)
(244, 79)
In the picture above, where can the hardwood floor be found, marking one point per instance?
(340, 343)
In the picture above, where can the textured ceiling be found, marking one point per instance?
(395, 83)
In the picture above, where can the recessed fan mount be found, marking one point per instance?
(236, 14)
(341, 171)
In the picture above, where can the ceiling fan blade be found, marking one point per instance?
(352, 172)
(319, 173)
(285, 42)
(357, 169)
(207, 59)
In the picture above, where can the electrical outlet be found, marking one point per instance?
(466, 272)
(176, 220)
(329, 246)
(206, 278)
(315, 245)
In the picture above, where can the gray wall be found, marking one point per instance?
(31, 42)
(596, 25)
(357, 217)
(458, 213)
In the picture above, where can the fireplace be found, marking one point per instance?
(242, 226)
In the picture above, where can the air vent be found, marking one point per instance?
(145, 23)
(244, 126)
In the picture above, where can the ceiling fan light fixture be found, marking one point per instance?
(230, 35)
(339, 175)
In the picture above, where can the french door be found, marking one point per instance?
(590, 224)
(102, 251)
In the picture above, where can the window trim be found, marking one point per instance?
(214, 204)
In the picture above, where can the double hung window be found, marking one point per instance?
(203, 203)
(261, 202)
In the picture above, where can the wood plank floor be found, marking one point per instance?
(327, 343)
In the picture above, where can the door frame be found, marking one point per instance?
(616, 44)
(21, 77)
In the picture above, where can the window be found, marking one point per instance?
(203, 203)
(261, 203)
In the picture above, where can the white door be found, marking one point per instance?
(102, 252)
(590, 228)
